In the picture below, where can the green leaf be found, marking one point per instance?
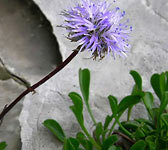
(162, 81)
(145, 121)
(128, 101)
(3, 145)
(77, 108)
(80, 135)
(99, 130)
(164, 102)
(113, 104)
(155, 82)
(68, 145)
(137, 89)
(55, 128)
(165, 118)
(130, 125)
(74, 142)
(107, 121)
(166, 74)
(160, 84)
(148, 102)
(109, 142)
(162, 144)
(113, 147)
(84, 80)
(140, 145)
(139, 134)
(151, 142)
(83, 141)
(137, 79)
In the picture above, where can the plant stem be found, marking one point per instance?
(124, 136)
(90, 138)
(110, 132)
(129, 113)
(125, 130)
(91, 114)
(36, 85)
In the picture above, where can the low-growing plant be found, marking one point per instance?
(138, 134)
(102, 31)
(152, 133)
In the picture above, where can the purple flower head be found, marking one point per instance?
(97, 29)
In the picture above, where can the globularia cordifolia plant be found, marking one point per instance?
(96, 28)
(139, 134)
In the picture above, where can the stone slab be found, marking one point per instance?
(28, 50)
(148, 55)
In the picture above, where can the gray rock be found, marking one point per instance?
(148, 55)
(29, 51)
(10, 128)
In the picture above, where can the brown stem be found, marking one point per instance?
(124, 136)
(32, 88)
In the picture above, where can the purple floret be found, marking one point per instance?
(97, 28)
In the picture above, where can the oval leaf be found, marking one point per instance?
(77, 108)
(140, 145)
(128, 101)
(113, 104)
(164, 102)
(148, 102)
(155, 82)
(84, 80)
(137, 79)
(139, 134)
(98, 131)
(162, 82)
(55, 128)
(108, 121)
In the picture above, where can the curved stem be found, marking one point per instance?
(129, 113)
(111, 129)
(125, 130)
(36, 85)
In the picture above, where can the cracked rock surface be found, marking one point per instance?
(148, 55)
(27, 50)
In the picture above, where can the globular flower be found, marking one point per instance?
(97, 28)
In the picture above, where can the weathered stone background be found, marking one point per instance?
(148, 55)
(28, 50)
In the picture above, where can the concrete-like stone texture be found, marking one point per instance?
(148, 55)
(25, 37)
(29, 50)
(10, 128)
